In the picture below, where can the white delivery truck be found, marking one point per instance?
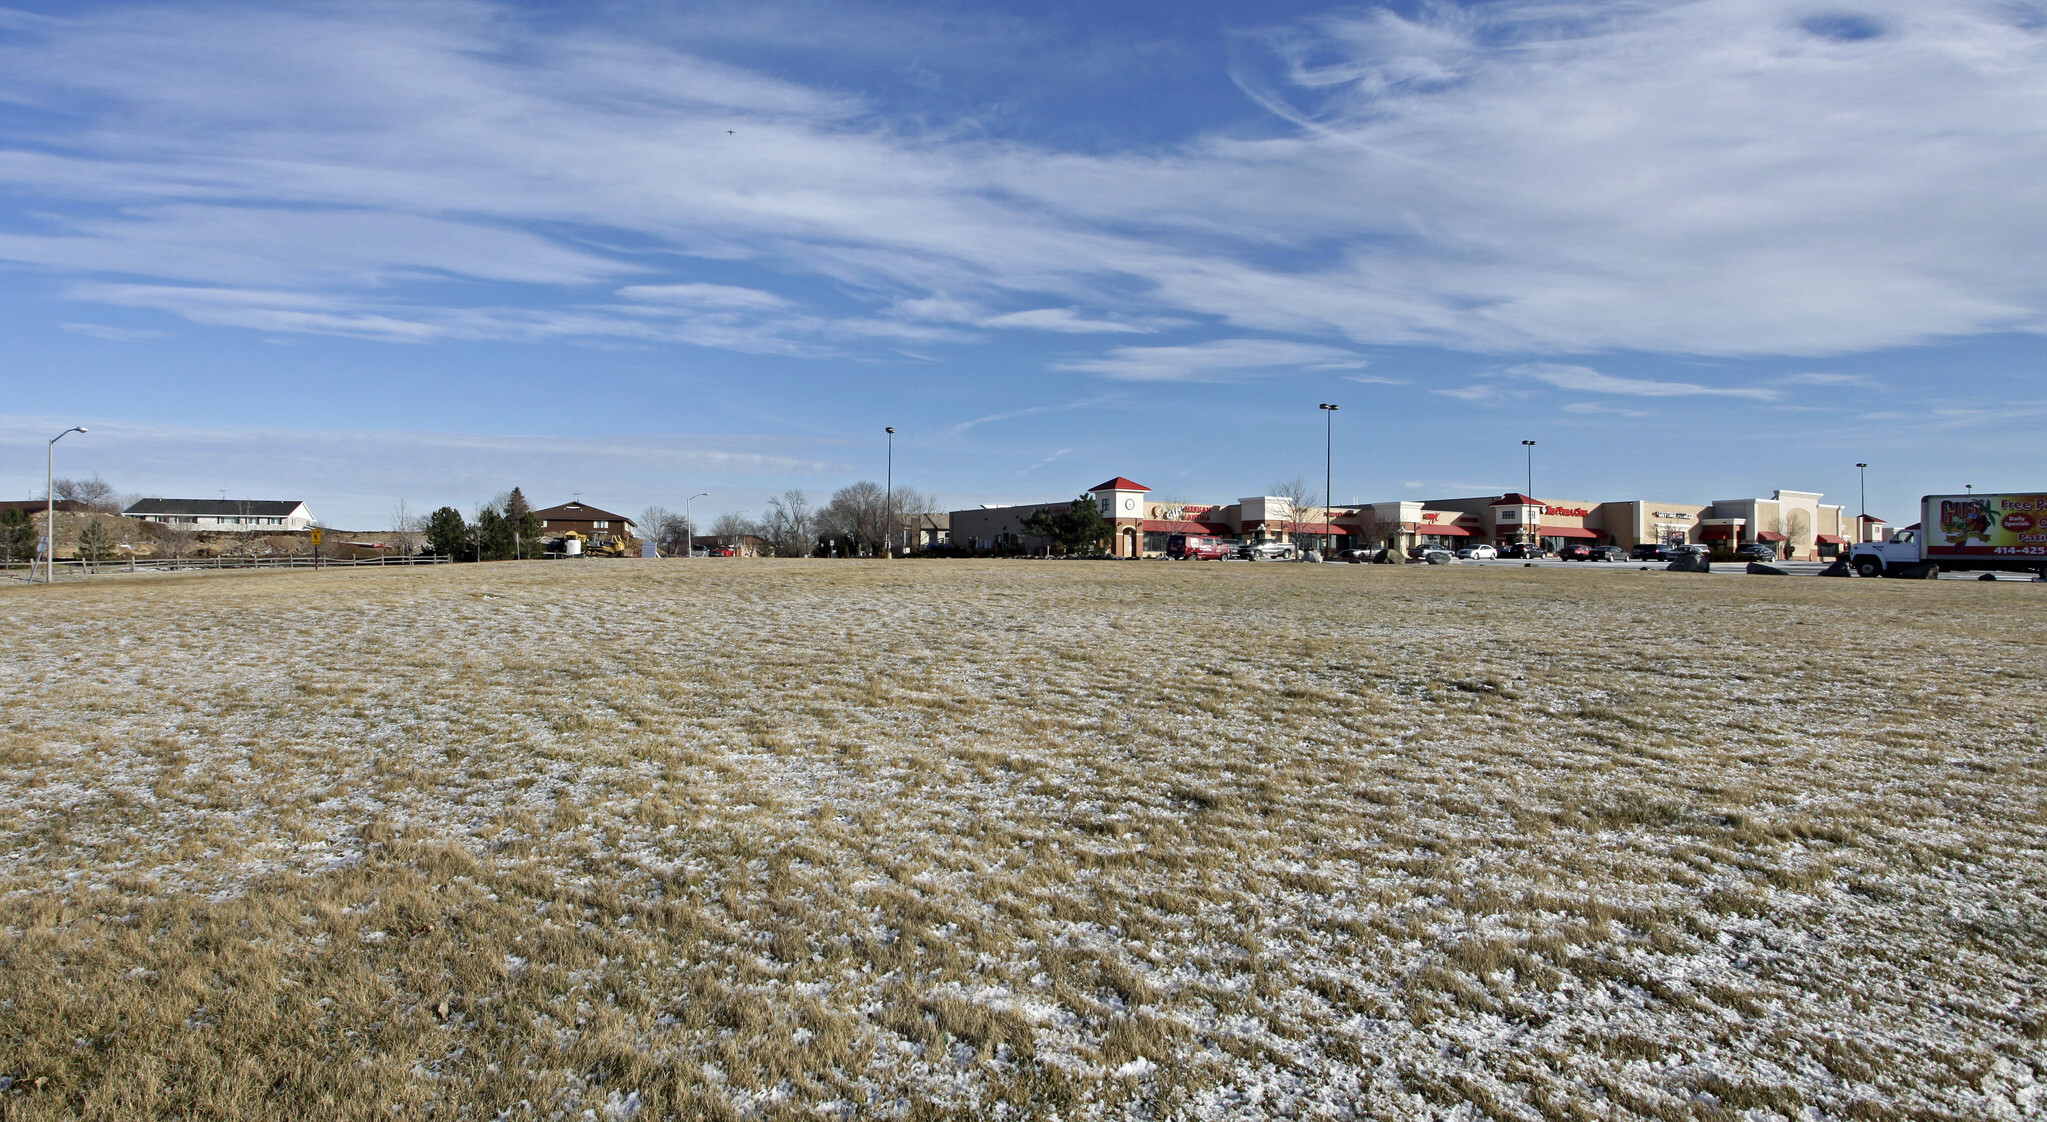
(1960, 532)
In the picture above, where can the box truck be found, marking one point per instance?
(1963, 532)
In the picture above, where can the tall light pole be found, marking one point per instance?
(689, 528)
(889, 503)
(1531, 534)
(1328, 442)
(1862, 478)
(50, 498)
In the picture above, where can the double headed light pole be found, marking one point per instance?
(50, 498)
(888, 525)
(1328, 439)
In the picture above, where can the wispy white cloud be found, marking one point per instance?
(965, 427)
(1584, 379)
(1218, 360)
(1857, 381)
(1068, 320)
(1711, 177)
(1600, 408)
(115, 334)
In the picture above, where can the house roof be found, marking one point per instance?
(1515, 498)
(218, 508)
(1119, 484)
(580, 512)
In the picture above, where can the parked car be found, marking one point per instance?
(1647, 551)
(1357, 556)
(1439, 557)
(1478, 553)
(1521, 551)
(1199, 547)
(1608, 553)
(1757, 551)
(1673, 552)
(1271, 551)
(1575, 552)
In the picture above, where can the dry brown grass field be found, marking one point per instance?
(727, 839)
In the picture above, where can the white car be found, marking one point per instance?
(1272, 551)
(1478, 553)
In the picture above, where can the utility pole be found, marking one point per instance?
(889, 503)
(1328, 445)
(50, 500)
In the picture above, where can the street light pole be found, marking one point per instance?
(889, 503)
(1328, 443)
(1862, 478)
(689, 527)
(50, 515)
(1530, 534)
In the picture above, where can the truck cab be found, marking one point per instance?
(1898, 549)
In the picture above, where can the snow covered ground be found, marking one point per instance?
(1025, 839)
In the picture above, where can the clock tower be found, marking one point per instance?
(1122, 503)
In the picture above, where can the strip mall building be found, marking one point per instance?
(1792, 522)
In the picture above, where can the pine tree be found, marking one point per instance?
(17, 535)
(447, 534)
(494, 536)
(525, 528)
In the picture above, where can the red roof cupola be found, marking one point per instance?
(1119, 484)
(1515, 498)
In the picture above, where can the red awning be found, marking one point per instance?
(1427, 528)
(1320, 528)
(1152, 526)
(1567, 532)
(1832, 539)
(1769, 536)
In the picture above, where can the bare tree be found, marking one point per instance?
(732, 529)
(95, 494)
(1298, 498)
(666, 529)
(173, 540)
(1798, 533)
(912, 507)
(790, 527)
(408, 530)
(857, 518)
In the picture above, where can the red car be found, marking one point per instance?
(1199, 547)
(1575, 553)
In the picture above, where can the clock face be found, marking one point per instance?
(1129, 502)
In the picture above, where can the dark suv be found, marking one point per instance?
(1520, 551)
(1757, 551)
(1575, 552)
(1649, 551)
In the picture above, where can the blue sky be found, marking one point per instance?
(357, 253)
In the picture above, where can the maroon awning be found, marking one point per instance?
(1567, 532)
(1769, 536)
(1426, 528)
(1832, 539)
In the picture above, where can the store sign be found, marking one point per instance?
(1181, 513)
(1672, 514)
(1566, 511)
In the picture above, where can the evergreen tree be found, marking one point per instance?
(525, 528)
(17, 535)
(95, 541)
(493, 536)
(447, 534)
(1079, 526)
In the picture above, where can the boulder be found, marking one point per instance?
(1923, 571)
(1839, 568)
(1690, 563)
(1758, 569)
